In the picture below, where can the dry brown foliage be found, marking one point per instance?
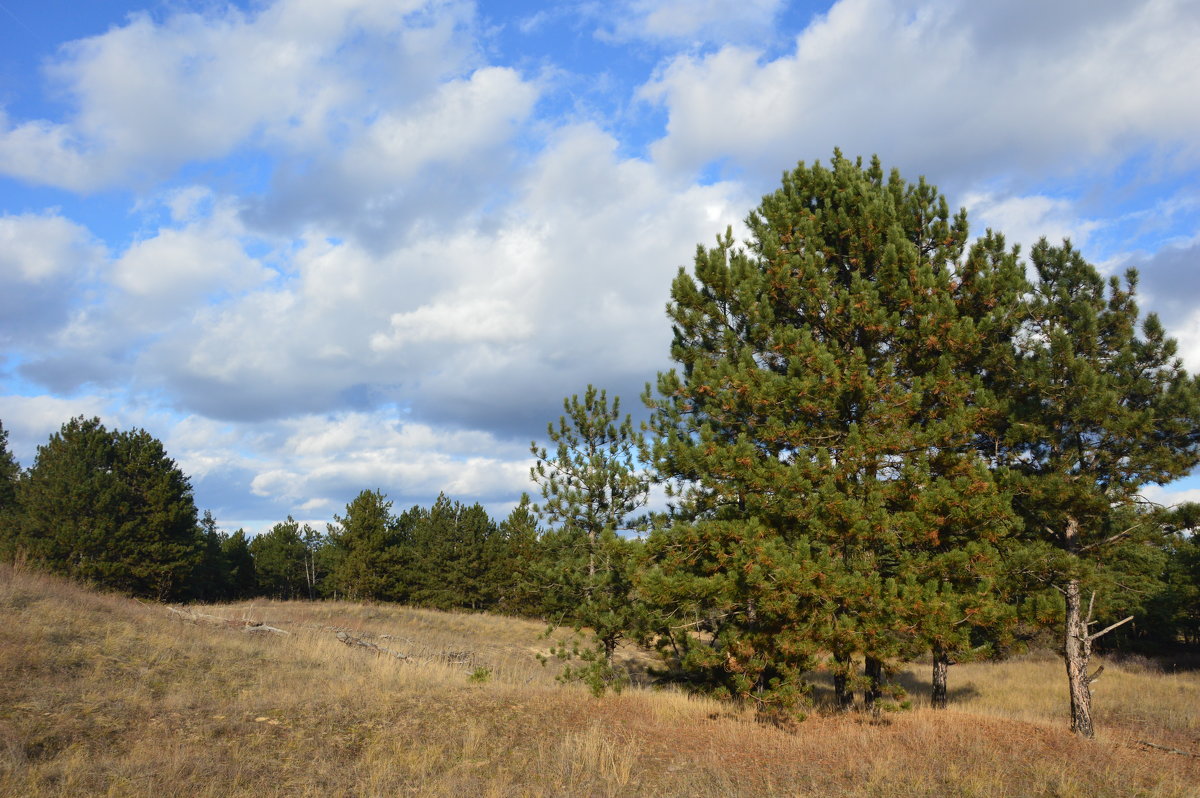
(101, 695)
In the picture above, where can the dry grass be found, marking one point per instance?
(100, 695)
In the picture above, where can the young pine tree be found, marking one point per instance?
(591, 485)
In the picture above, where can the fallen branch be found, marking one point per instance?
(246, 625)
(1168, 749)
(352, 641)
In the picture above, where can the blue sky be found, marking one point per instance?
(317, 246)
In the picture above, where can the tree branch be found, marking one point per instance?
(1110, 539)
(1108, 629)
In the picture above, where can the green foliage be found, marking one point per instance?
(517, 568)
(241, 578)
(367, 542)
(110, 508)
(820, 427)
(452, 556)
(282, 560)
(591, 485)
(10, 475)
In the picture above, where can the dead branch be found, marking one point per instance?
(1108, 629)
(352, 641)
(246, 625)
(1168, 749)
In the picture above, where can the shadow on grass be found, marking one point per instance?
(916, 689)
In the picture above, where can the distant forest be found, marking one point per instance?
(881, 442)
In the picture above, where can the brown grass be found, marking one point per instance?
(101, 695)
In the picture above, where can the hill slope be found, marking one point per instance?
(101, 695)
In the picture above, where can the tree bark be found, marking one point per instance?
(1077, 648)
(843, 696)
(941, 668)
(873, 670)
(1078, 651)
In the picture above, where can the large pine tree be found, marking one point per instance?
(818, 434)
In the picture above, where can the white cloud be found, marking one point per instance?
(176, 267)
(31, 420)
(45, 259)
(35, 248)
(1170, 495)
(567, 287)
(924, 84)
(149, 96)
(1026, 219)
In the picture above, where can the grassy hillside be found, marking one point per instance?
(101, 695)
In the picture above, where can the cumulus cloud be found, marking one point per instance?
(481, 328)
(1026, 219)
(412, 168)
(149, 96)
(44, 260)
(944, 89)
(31, 420)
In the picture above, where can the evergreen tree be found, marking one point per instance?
(452, 552)
(516, 569)
(110, 508)
(242, 581)
(1098, 412)
(10, 474)
(819, 435)
(211, 579)
(281, 561)
(367, 542)
(591, 485)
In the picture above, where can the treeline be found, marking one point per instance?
(110, 508)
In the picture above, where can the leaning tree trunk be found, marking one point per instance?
(941, 669)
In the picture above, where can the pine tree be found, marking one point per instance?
(517, 569)
(367, 543)
(449, 564)
(1098, 412)
(210, 582)
(819, 434)
(110, 508)
(280, 561)
(591, 485)
(242, 579)
(10, 474)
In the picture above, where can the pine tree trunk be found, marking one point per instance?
(873, 670)
(843, 697)
(1078, 651)
(941, 668)
(1078, 647)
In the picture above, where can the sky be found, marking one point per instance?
(321, 246)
